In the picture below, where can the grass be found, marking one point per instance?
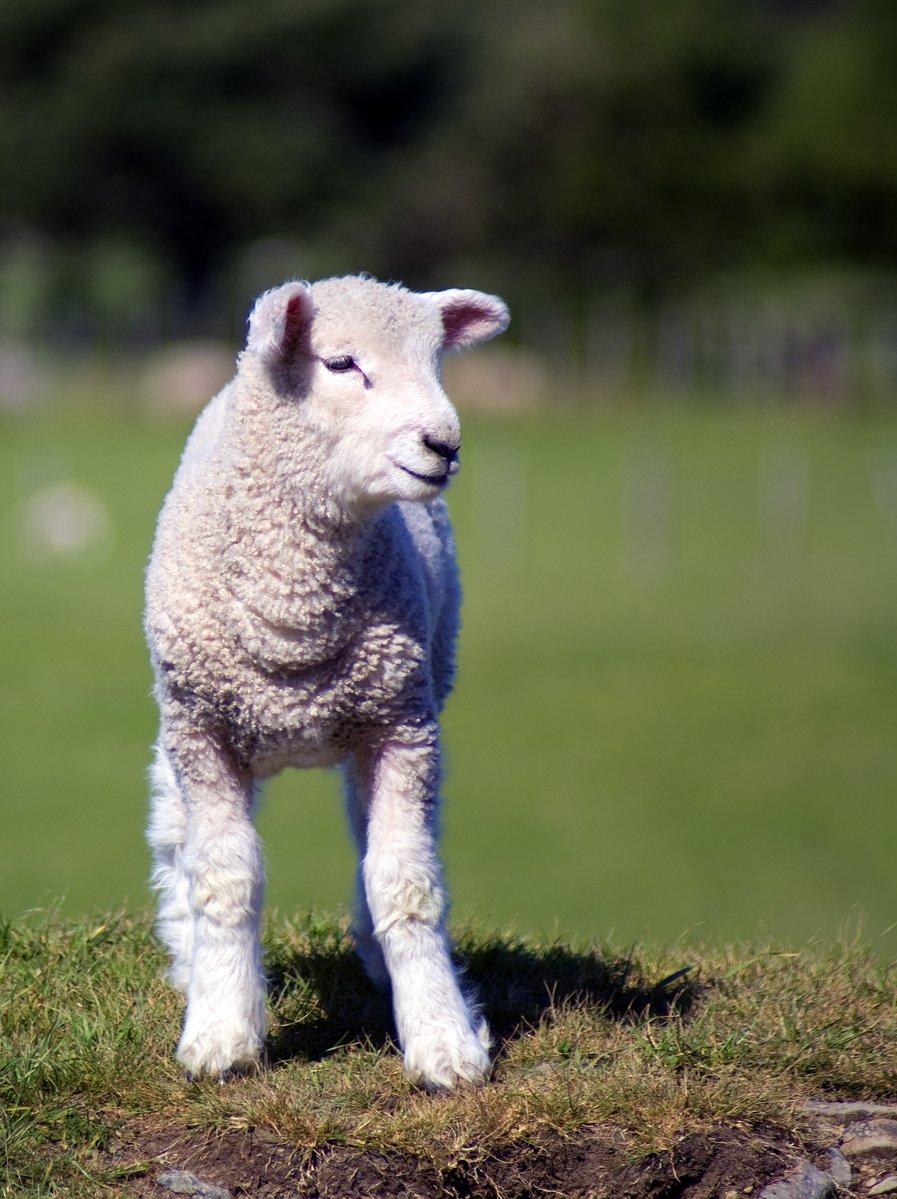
(651, 1043)
(677, 688)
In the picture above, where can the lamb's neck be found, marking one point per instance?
(294, 574)
(294, 555)
(296, 533)
(278, 462)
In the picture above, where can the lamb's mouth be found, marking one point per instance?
(440, 480)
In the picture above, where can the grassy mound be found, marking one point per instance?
(651, 1046)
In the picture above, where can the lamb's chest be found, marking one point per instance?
(314, 715)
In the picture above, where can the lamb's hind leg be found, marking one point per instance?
(166, 834)
(444, 1041)
(220, 876)
(366, 944)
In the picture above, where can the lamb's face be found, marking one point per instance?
(375, 361)
(369, 356)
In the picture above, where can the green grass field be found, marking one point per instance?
(677, 698)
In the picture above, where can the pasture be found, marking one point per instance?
(677, 697)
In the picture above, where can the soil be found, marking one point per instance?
(724, 1161)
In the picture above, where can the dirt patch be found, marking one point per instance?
(595, 1166)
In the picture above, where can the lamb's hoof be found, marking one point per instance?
(226, 1076)
(445, 1059)
(206, 1059)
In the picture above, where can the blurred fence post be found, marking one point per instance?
(646, 508)
(783, 500)
(498, 498)
(883, 482)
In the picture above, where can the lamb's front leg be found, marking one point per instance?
(444, 1041)
(226, 1019)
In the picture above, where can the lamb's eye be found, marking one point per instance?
(339, 365)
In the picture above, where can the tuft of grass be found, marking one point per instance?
(654, 1043)
(80, 1010)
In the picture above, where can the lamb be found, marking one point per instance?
(302, 610)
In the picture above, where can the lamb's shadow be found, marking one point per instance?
(325, 1000)
(520, 986)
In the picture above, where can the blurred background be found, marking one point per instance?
(677, 514)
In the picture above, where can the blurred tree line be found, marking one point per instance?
(161, 163)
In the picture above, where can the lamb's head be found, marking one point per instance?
(358, 362)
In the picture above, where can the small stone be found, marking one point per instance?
(870, 1136)
(182, 1182)
(803, 1182)
(838, 1167)
(845, 1111)
(886, 1187)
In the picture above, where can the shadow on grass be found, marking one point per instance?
(519, 985)
(325, 1001)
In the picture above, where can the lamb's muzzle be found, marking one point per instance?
(446, 451)
(449, 464)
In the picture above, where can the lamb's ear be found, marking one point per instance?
(280, 322)
(469, 316)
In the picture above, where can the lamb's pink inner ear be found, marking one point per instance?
(469, 317)
(457, 321)
(296, 321)
(279, 323)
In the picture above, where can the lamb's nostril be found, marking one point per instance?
(442, 448)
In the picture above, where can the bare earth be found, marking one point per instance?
(724, 1163)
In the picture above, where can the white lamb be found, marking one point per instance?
(302, 607)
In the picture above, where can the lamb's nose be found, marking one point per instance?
(445, 450)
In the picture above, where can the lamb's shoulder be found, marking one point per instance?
(204, 439)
